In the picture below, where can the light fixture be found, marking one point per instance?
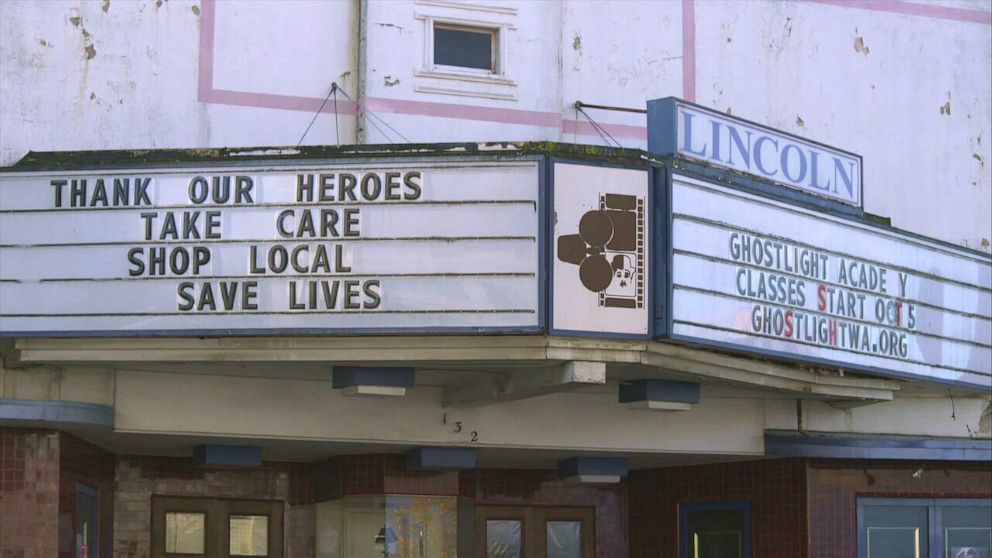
(577, 470)
(918, 473)
(658, 395)
(869, 477)
(372, 381)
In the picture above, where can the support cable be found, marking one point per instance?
(334, 87)
(602, 131)
(384, 123)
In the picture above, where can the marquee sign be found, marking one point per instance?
(691, 131)
(601, 244)
(771, 278)
(404, 246)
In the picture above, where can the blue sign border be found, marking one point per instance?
(663, 131)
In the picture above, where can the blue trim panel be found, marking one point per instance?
(385, 376)
(686, 509)
(867, 446)
(228, 456)
(439, 458)
(575, 466)
(662, 289)
(672, 391)
(63, 413)
(662, 138)
(543, 233)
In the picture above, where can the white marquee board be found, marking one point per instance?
(760, 275)
(404, 246)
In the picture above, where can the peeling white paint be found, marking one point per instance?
(876, 83)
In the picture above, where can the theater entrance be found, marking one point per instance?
(535, 531)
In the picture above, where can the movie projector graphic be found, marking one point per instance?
(609, 251)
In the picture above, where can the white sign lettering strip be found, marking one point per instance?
(732, 143)
(760, 274)
(601, 247)
(394, 246)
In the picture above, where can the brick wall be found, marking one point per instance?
(138, 478)
(29, 493)
(776, 490)
(834, 486)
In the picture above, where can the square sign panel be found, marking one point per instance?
(600, 250)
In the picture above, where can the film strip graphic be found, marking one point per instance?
(631, 275)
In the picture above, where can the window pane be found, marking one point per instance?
(249, 535)
(86, 523)
(184, 533)
(893, 542)
(564, 539)
(967, 531)
(716, 533)
(503, 538)
(464, 48)
(896, 531)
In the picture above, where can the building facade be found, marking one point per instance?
(462, 305)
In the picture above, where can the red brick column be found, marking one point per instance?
(29, 493)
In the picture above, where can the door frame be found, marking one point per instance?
(217, 512)
(532, 520)
(686, 509)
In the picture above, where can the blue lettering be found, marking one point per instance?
(687, 135)
(743, 148)
(757, 153)
(814, 172)
(847, 177)
(785, 163)
(715, 150)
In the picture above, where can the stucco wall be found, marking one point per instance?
(905, 84)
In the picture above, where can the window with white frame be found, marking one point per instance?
(462, 48)
(466, 49)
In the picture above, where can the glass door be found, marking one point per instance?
(716, 530)
(896, 532)
(924, 528)
(566, 532)
(216, 528)
(535, 532)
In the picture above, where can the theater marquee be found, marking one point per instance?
(763, 276)
(366, 247)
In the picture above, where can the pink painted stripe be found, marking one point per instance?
(465, 112)
(284, 102)
(624, 131)
(205, 82)
(913, 8)
(689, 50)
